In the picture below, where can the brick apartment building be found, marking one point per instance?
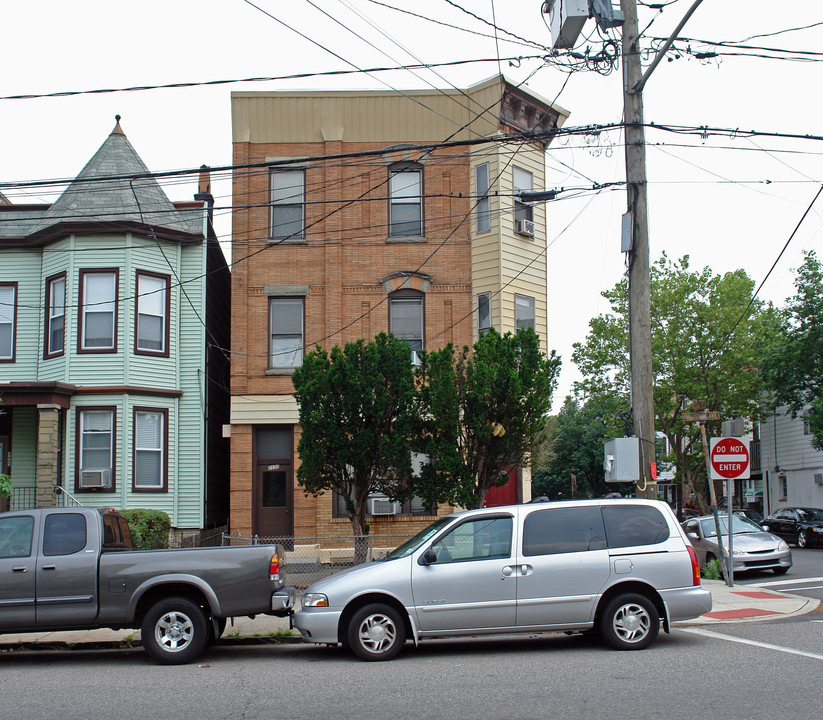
(352, 217)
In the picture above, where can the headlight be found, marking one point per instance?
(817, 530)
(781, 546)
(738, 551)
(315, 600)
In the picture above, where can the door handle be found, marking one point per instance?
(49, 567)
(526, 570)
(20, 569)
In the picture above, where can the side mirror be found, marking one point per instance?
(765, 527)
(428, 558)
(692, 536)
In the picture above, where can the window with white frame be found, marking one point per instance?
(150, 449)
(55, 315)
(288, 190)
(483, 203)
(807, 423)
(523, 182)
(406, 200)
(484, 312)
(98, 310)
(8, 316)
(523, 312)
(286, 332)
(152, 313)
(95, 430)
(406, 317)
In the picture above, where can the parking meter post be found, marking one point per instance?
(712, 495)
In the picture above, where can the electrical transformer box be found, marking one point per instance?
(621, 460)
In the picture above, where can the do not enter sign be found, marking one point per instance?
(729, 459)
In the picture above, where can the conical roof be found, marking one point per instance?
(127, 200)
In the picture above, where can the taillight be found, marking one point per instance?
(274, 565)
(695, 565)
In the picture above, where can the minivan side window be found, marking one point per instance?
(563, 530)
(482, 538)
(633, 525)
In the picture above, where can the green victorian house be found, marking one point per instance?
(114, 312)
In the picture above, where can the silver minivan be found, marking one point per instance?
(620, 566)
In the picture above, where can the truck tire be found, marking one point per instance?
(376, 632)
(175, 631)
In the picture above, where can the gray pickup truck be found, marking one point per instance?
(74, 568)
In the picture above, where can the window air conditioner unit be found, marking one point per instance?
(818, 478)
(94, 478)
(524, 227)
(381, 505)
(415, 359)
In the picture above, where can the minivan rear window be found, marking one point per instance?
(633, 525)
(563, 530)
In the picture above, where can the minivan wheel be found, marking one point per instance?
(630, 622)
(376, 632)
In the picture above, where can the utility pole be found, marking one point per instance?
(640, 338)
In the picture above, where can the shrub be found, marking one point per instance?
(149, 528)
(711, 571)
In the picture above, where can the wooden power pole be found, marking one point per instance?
(640, 337)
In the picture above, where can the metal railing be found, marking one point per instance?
(311, 558)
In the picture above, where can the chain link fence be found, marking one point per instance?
(311, 558)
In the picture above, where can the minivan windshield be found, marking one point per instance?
(408, 547)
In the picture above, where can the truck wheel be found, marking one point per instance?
(630, 622)
(376, 632)
(175, 631)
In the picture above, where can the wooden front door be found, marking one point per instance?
(273, 482)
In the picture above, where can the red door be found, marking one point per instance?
(508, 494)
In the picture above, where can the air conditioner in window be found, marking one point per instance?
(415, 359)
(818, 478)
(524, 227)
(381, 505)
(94, 478)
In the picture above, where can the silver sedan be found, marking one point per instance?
(752, 547)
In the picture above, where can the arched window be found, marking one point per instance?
(407, 317)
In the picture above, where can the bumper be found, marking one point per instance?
(686, 603)
(318, 625)
(282, 601)
(753, 562)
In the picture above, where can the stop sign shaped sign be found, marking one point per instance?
(729, 459)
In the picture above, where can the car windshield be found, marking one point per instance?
(739, 525)
(807, 514)
(408, 547)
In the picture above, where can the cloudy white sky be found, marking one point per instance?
(728, 201)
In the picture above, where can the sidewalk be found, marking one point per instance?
(742, 603)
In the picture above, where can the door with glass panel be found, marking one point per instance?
(273, 490)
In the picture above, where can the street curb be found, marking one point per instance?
(136, 644)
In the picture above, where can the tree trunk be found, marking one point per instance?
(361, 540)
(5, 503)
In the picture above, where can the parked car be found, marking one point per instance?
(74, 569)
(620, 566)
(801, 525)
(752, 515)
(752, 547)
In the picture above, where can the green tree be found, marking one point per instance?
(356, 408)
(574, 446)
(708, 335)
(794, 366)
(482, 413)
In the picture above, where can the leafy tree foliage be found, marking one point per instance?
(482, 412)
(574, 446)
(356, 409)
(794, 368)
(708, 335)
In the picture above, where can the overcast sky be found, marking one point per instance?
(728, 201)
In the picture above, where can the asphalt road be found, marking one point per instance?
(734, 671)
(804, 578)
